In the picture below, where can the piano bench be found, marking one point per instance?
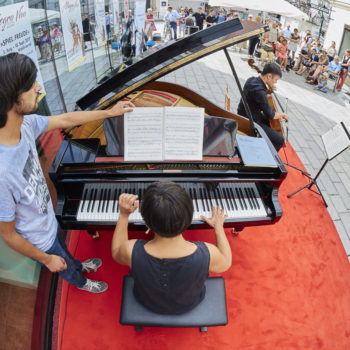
(210, 312)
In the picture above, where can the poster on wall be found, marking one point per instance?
(140, 11)
(72, 28)
(100, 22)
(16, 34)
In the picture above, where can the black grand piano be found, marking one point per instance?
(89, 171)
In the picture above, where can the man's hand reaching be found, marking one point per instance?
(120, 108)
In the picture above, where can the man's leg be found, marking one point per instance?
(275, 137)
(72, 274)
(174, 27)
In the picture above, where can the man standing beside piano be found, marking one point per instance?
(27, 218)
(255, 91)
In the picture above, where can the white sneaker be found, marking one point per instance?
(94, 286)
(91, 265)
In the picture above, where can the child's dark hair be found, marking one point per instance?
(166, 208)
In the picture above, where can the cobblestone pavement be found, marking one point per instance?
(311, 114)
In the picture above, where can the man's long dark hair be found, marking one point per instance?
(17, 75)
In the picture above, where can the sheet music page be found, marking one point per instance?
(143, 134)
(335, 141)
(183, 133)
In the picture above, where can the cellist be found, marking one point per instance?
(255, 91)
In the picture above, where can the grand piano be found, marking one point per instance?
(89, 171)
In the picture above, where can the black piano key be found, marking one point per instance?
(227, 199)
(84, 199)
(139, 193)
(195, 198)
(92, 193)
(252, 197)
(202, 199)
(119, 193)
(243, 199)
(94, 200)
(248, 198)
(233, 198)
(255, 199)
(108, 199)
(218, 194)
(105, 199)
(115, 198)
(239, 199)
(209, 200)
(100, 198)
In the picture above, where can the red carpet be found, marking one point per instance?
(288, 288)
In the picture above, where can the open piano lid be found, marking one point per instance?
(167, 57)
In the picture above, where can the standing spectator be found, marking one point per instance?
(86, 28)
(294, 41)
(182, 22)
(331, 52)
(200, 18)
(44, 44)
(211, 19)
(221, 17)
(287, 32)
(172, 17)
(273, 33)
(56, 37)
(345, 63)
(280, 30)
(250, 17)
(282, 52)
(150, 26)
(253, 42)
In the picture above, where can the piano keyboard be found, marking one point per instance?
(239, 200)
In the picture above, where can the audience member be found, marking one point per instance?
(345, 63)
(322, 83)
(319, 66)
(150, 25)
(282, 52)
(333, 67)
(287, 32)
(332, 51)
(211, 19)
(221, 17)
(254, 41)
(307, 61)
(273, 34)
(172, 17)
(294, 41)
(182, 22)
(200, 18)
(266, 49)
(280, 30)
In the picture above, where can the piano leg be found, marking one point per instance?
(94, 234)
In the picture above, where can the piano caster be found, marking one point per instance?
(96, 235)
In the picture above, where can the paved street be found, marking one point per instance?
(311, 113)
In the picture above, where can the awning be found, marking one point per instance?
(279, 7)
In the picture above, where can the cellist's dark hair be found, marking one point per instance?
(17, 75)
(272, 68)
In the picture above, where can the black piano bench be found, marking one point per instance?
(210, 312)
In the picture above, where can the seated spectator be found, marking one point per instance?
(322, 83)
(282, 49)
(331, 52)
(333, 67)
(266, 49)
(322, 62)
(345, 64)
(169, 271)
(307, 61)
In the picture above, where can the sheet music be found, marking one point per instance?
(183, 133)
(143, 134)
(335, 141)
